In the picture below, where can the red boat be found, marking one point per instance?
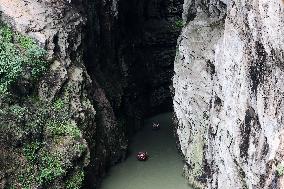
(142, 156)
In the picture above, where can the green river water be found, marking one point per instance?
(163, 170)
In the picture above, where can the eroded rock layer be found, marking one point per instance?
(228, 96)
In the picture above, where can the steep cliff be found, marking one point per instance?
(47, 115)
(229, 93)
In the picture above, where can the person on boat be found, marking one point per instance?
(155, 126)
(142, 156)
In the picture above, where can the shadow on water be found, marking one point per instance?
(163, 170)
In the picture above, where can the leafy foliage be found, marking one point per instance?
(75, 182)
(63, 128)
(280, 170)
(54, 120)
(26, 178)
(36, 125)
(18, 55)
(178, 24)
(18, 110)
(51, 168)
(59, 104)
(25, 42)
(30, 151)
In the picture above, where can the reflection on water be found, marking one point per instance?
(163, 170)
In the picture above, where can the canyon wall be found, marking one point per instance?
(69, 90)
(129, 54)
(47, 122)
(228, 97)
(107, 64)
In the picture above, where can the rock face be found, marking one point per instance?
(50, 127)
(100, 58)
(228, 96)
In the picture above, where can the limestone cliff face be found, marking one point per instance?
(229, 93)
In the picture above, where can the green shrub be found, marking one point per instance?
(80, 148)
(63, 128)
(35, 61)
(30, 151)
(18, 54)
(18, 110)
(42, 168)
(11, 65)
(6, 34)
(27, 177)
(76, 180)
(25, 42)
(178, 24)
(59, 104)
(50, 168)
(280, 170)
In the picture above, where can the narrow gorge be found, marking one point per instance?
(79, 81)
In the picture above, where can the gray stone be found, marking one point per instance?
(228, 96)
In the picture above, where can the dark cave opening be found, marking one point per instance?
(129, 56)
(150, 44)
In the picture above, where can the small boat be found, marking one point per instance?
(142, 156)
(155, 126)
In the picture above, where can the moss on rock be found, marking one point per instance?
(46, 142)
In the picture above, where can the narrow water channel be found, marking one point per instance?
(163, 170)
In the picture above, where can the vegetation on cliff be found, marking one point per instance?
(44, 139)
(20, 58)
